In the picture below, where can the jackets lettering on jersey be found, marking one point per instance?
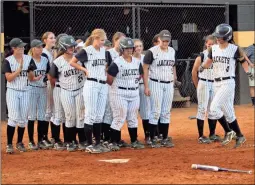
(99, 62)
(69, 77)
(128, 73)
(224, 61)
(207, 73)
(163, 64)
(21, 81)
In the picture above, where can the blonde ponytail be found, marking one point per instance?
(30, 52)
(96, 33)
(89, 41)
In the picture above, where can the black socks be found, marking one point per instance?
(70, 134)
(200, 127)
(55, 130)
(106, 131)
(152, 129)
(115, 135)
(212, 126)
(224, 124)
(64, 131)
(253, 101)
(10, 134)
(234, 125)
(30, 130)
(145, 128)
(81, 134)
(132, 134)
(163, 129)
(21, 131)
(88, 129)
(97, 132)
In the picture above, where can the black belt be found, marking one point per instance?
(57, 85)
(141, 83)
(223, 78)
(37, 86)
(72, 90)
(160, 81)
(128, 88)
(96, 80)
(206, 80)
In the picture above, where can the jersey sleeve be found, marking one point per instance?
(239, 55)
(82, 56)
(45, 55)
(209, 53)
(148, 58)
(54, 71)
(6, 68)
(113, 70)
(141, 69)
(108, 58)
(32, 66)
(48, 67)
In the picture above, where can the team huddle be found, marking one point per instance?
(92, 89)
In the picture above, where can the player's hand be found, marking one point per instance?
(147, 92)
(86, 72)
(251, 65)
(37, 78)
(21, 65)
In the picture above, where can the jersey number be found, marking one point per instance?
(227, 69)
(80, 78)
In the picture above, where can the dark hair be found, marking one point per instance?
(209, 37)
(155, 38)
(60, 53)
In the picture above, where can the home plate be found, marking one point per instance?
(115, 160)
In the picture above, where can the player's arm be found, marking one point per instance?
(112, 72)
(195, 70)
(147, 61)
(207, 64)
(82, 57)
(6, 69)
(53, 74)
(246, 56)
(30, 72)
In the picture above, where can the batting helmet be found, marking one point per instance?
(223, 31)
(65, 42)
(57, 39)
(126, 43)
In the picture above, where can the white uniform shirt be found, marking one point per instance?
(207, 73)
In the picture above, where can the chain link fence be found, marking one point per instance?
(189, 24)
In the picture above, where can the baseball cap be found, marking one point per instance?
(107, 43)
(165, 35)
(36, 43)
(16, 42)
(81, 44)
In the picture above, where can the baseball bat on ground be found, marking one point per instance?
(217, 169)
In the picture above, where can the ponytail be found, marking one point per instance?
(89, 41)
(61, 52)
(30, 52)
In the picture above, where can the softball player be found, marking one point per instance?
(49, 40)
(96, 60)
(160, 61)
(38, 97)
(71, 82)
(144, 100)
(204, 84)
(115, 53)
(123, 76)
(15, 68)
(224, 56)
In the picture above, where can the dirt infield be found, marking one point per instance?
(148, 166)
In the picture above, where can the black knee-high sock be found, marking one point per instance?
(224, 124)
(212, 126)
(145, 128)
(164, 130)
(253, 100)
(73, 134)
(10, 134)
(132, 134)
(30, 130)
(157, 129)
(88, 129)
(45, 130)
(81, 134)
(51, 125)
(53, 130)
(57, 133)
(236, 128)
(40, 130)
(21, 131)
(152, 129)
(106, 131)
(64, 131)
(200, 127)
(97, 132)
(68, 135)
(114, 135)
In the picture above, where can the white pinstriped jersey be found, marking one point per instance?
(69, 77)
(96, 62)
(21, 81)
(224, 60)
(141, 60)
(207, 73)
(162, 64)
(49, 55)
(42, 68)
(128, 73)
(114, 53)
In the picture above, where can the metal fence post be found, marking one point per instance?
(227, 12)
(31, 19)
(133, 20)
(139, 22)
